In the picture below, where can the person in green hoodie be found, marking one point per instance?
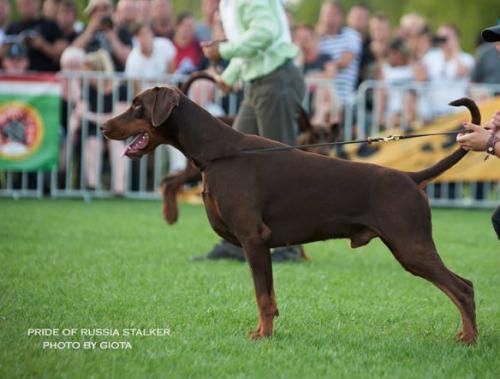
(260, 53)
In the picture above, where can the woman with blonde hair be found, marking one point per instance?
(101, 101)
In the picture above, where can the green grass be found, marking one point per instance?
(344, 314)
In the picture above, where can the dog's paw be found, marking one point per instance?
(466, 338)
(259, 334)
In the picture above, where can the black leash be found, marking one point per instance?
(369, 140)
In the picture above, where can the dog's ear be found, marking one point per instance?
(164, 100)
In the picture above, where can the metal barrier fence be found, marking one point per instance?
(429, 101)
(90, 166)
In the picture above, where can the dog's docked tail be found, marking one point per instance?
(422, 177)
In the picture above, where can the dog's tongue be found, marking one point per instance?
(139, 142)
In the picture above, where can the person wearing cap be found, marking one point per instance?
(487, 66)
(15, 59)
(488, 138)
(43, 37)
(103, 33)
(492, 34)
(260, 52)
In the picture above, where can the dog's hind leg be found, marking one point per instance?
(423, 260)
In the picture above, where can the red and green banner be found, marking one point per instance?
(29, 122)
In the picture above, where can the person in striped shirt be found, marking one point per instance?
(343, 45)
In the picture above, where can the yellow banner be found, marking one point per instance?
(420, 153)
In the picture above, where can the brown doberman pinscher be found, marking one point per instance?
(258, 200)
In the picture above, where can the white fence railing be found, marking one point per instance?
(91, 166)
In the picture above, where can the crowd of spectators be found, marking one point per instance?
(134, 30)
(146, 37)
(425, 68)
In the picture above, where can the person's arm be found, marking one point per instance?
(232, 72)
(345, 60)
(380, 95)
(120, 50)
(329, 70)
(349, 55)
(463, 69)
(53, 50)
(260, 34)
(84, 38)
(420, 72)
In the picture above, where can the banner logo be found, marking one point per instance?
(21, 130)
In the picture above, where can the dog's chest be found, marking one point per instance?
(213, 212)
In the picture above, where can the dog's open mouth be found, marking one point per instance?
(137, 145)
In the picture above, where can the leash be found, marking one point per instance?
(369, 141)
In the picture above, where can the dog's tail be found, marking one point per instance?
(422, 177)
(194, 77)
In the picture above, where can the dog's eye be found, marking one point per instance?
(136, 108)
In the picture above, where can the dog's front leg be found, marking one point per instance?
(259, 259)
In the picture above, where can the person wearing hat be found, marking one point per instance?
(488, 138)
(15, 59)
(103, 33)
(487, 64)
(492, 34)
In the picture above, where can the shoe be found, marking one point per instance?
(366, 151)
(287, 254)
(341, 153)
(223, 250)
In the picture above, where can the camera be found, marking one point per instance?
(28, 35)
(439, 40)
(106, 23)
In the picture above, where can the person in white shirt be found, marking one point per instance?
(448, 70)
(151, 56)
(397, 100)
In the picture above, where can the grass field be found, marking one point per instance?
(344, 314)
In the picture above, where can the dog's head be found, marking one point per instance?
(143, 121)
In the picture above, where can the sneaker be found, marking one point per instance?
(288, 254)
(223, 250)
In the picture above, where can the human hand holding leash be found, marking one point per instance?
(476, 138)
(481, 139)
(222, 85)
(211, 50)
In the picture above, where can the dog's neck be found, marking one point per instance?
(200, 136)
